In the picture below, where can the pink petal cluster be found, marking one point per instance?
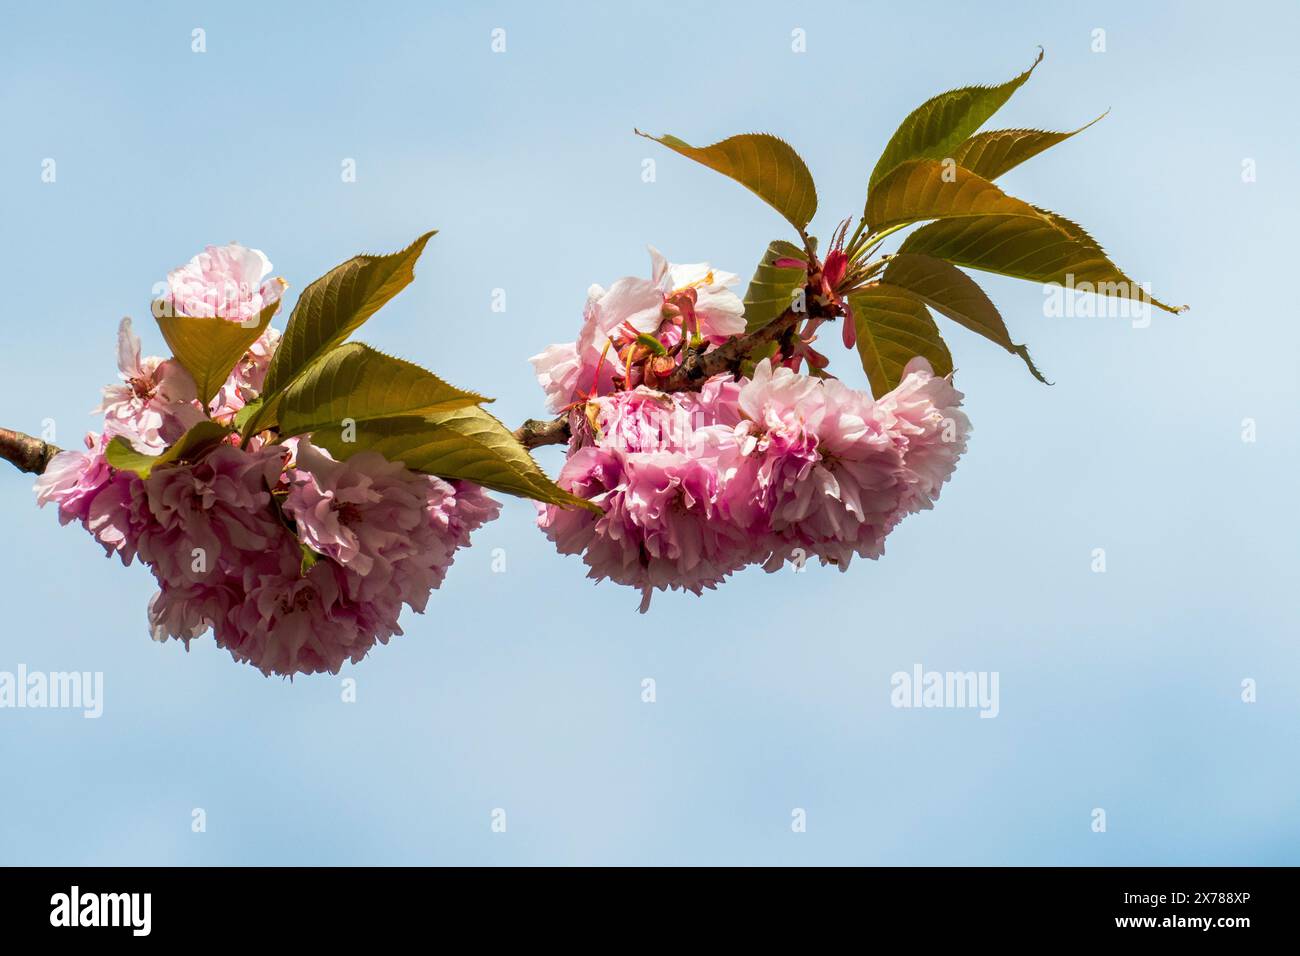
(246, 378)
(295, 561)
(777, 467)
(156, 401)
(658, 465)
(224, 281)
(633, 305)
(837, 471)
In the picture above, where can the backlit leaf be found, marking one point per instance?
(208, 348)
(773, 287)
(893, 327)
(953, 293)
(354, 381)
(467, 443)
(766, 165)
(922, 189)
(196, 442)
(935, 128)
(1051, 249)
(332, 307)
(993, 153)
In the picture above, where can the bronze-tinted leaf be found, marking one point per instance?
(893, 327)
(773, 287)
(922, 189)
(333, 306)
(1051, 249)
(935, 128)
(199, 440)
(467, 443)
(993, 153)
(208, 348)
(766, 165)
(354, 381)
(953, 293)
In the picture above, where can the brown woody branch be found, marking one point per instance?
(26, 453)
(537, 432)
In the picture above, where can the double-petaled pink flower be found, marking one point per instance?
(296, 562)
(228, 282)
(777, 467)
(676, 301)
(156, 401)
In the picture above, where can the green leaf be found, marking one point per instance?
(243, 416)
(894, 327)
(467, 443)
(935, 128)
(1051, 249)
(766, 165)
(953, 293)
(309, 559)
(332, 308)
(993, 153)
(202, 438)
(208, 348)
(354, 381)
(926, 189)
(772, 289)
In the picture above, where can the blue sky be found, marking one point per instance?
(522, 690)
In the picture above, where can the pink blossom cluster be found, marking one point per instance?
(228, 282)
(766, 469)
(676, 301)
(295, 561)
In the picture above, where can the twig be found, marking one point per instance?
(536, 432)
(26, 453)
(699, 367)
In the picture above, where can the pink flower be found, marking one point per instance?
(719, 311)
(186, 611)
(782, 467)
(85, 489)
(209, 518)
(223, 559)
(156, 402)
(72, 479)
(225, 281)
(658, 469)
(289, 623)
(224, 552)
(296, 566)
(456, 510)
(836, 472)
(363, 512)
(924, 417)
(558, 369)
(246, 379)
(677, 301)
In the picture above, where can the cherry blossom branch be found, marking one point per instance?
(26, 453)
(699, 367)
(29, 454)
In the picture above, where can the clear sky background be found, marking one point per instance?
(522, 690)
